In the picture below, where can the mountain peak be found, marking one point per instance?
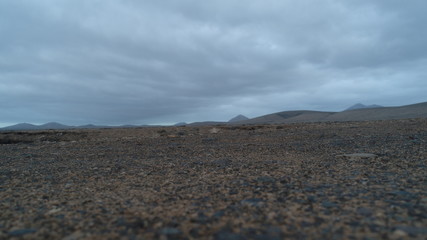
(362, 106)
(238, 118)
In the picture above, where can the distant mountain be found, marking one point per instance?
(206, 123)
(21, 126)
(358, 112)
(362, 106)
(289, 117)
(28, 126)
(54, 125)
(127, 126)
(92, 126)
(238, 118)
(363, 114)
(87, 126)
(58, 126)
(418, 110)
(180, 124)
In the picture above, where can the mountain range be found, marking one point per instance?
(361, 106)
(357, 112)
(56, 126)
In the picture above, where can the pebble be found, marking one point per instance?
(327, 204)
(170, 231)
(227, 235)
(255, 202)
(364, 211)
(413, 231)
(74, 236)
(21, 232)
(266, 179)
(398, 234)
(355, 156)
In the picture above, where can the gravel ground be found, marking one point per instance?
(353, 180)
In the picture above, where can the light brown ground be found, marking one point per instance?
(219, 182)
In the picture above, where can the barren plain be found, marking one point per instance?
(336, 180)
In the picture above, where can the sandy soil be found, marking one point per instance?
(299, 181)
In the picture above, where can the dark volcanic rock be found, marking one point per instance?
(21, 232)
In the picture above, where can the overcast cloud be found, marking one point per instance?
(148, 62)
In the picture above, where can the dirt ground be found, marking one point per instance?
(348, 180)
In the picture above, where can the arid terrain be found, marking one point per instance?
(332, 180)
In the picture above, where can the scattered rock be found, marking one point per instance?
(53, 211)
(170, 231)
(364, 211)
(214, 130)
(327, 204)
(412, 231)
(222, 163)
(266, 179)
(21, 232)
(218, 214)
(74, 236)
(228, 235)
(255, 202)
(248, 182)
(356, 156)
(399, 234)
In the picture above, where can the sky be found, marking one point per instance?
(120, 62)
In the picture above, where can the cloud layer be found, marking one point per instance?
(137, 62)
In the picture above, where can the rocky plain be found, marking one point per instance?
(331, 180)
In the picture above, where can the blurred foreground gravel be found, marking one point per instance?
(353, 180)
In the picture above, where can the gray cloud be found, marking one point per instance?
(111, 62)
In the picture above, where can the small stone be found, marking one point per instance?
(228, 235)
(327, 204)
(402, 194)
(195, 232)
(356, 156)
(274, 233)
(218, 214)
(311, 198)
(266, 179)
(364, 211)
(233, 191)
(222, 163)
(397, 234)
(412, 230)
(74, 236)
(256, 202)
(170, 231)
(214, 130)
(55, 210)
(201, 218)
(20, 232)
(209, 140)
